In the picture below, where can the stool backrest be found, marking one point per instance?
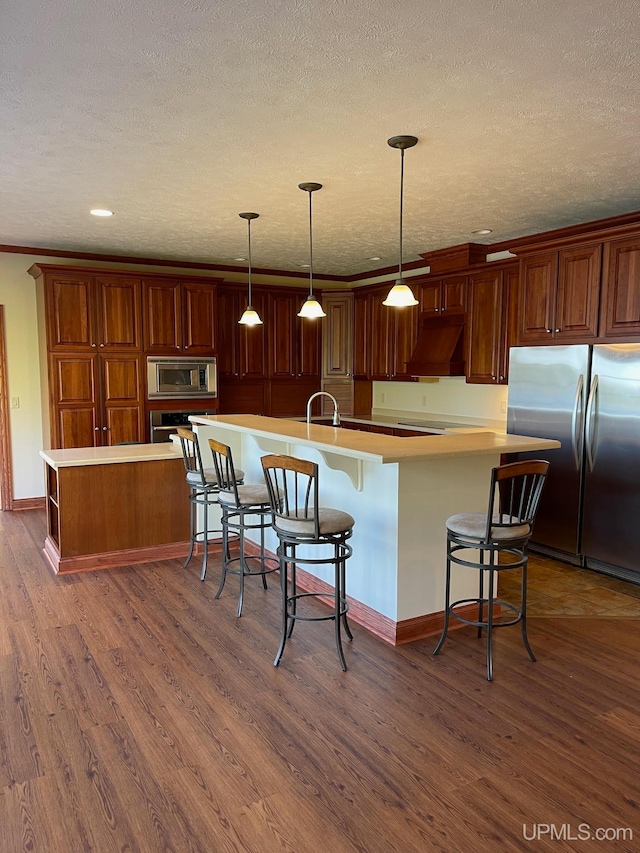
(191, 453)
(293, 489)
(224, 468)
(515, 494)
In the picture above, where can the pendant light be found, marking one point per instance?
(401, 295)
(250, 316)
(311, 308)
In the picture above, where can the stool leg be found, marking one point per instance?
(480, 593)
(447, 600)
(243, 565)
(205, 537)
(337, 592)
(192, 537)
(490, 624)
(282, 553)
(523, 610)
(294, 591)
(225, 551)
(262, 557)
(343, 594)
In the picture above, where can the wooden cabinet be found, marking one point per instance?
(242, 351)
(294, 342)
(337, 336)
(559, 296)
(87, 312)
(179, 317)
(620, 312)
(490, 325)
(362, 345)
(96, 399)
(394, 332)
(440, 295)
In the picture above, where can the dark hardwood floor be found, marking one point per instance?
(138, 714)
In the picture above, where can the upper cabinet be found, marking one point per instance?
(491, 325)
(179, 317)
(242, 350)
(294, 342)
(620, 314)
(442, 295)
(337, 339)
(393, 336)
(559, 296)
(87, 312)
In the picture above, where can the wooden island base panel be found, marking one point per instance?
(115, 506)
(399, 490)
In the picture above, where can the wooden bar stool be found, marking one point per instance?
(203, 491)
(239, 503)
(299, 520)
(504, 529)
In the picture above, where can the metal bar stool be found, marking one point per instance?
(237, 503)
(504, 529)
(299, 520)
(203, 491)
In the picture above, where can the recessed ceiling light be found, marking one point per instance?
(304, 266)
(374, 258)
(239, 259)
(482, 231)
(97, 211)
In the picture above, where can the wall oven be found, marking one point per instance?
(165, 424)
(169, 377)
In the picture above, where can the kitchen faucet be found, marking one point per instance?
(336, 414)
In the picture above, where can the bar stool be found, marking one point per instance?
(298, 519)
(203, 491)
(237, 502)
(504, 529)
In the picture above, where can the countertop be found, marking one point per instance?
(374, 446)
(77, 456)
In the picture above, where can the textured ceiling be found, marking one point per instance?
(179, 114)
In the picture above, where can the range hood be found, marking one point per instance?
(440, 347)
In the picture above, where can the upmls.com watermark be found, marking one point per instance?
(582, 832)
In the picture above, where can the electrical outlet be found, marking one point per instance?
(503, 406)
(15, 402)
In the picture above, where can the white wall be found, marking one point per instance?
(450, 398)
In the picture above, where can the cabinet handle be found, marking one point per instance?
(558, 330)
(104, 429)
(548, 331)
(437, 309)
(501, 378)
(96, 429)
(92, 345)
(101, 345)
(493, 377)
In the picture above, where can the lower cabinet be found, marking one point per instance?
(96, 400)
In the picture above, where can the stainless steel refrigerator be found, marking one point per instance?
(587, 397)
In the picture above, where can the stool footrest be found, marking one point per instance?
(484, 623)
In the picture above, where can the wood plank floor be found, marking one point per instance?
(138, 714)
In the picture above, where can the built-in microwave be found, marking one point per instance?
(169, 377)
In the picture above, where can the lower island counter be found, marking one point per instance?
(400, 492)
(114, 506)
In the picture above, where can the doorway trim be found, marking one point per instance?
(6, 468)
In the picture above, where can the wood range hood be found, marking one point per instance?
(440, 347)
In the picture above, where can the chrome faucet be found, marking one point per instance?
(336, 413)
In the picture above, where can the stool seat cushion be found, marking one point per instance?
(194, 478)
(474, 526)
(247, 495)
(331, 521)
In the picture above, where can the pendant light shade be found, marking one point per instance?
(401, 295)
(250, 316)
(311, 308)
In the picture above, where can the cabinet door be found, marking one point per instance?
(484, 327)
(538, 278)
(621, 289)
(118, 313)
(282, 312)
(229, 312)
(337, 336)
(510, 294)
(253, 340)
(74, 401)
(162, 313)
(361, 336)
(429, 296)
(383, 327)
(578, 294)
(199, 318)
(122, 399)
(454, 294)
(404, 339)
(70, 319)
(308, 337)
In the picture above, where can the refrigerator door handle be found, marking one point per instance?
(577, 428)
(590, 422)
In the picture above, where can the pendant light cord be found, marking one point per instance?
(310, 250)
(401, 200)
(249, 229)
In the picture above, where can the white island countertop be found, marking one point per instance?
(77, 456)
(376, 447)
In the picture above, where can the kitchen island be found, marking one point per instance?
(114, 506)
(400, 490)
